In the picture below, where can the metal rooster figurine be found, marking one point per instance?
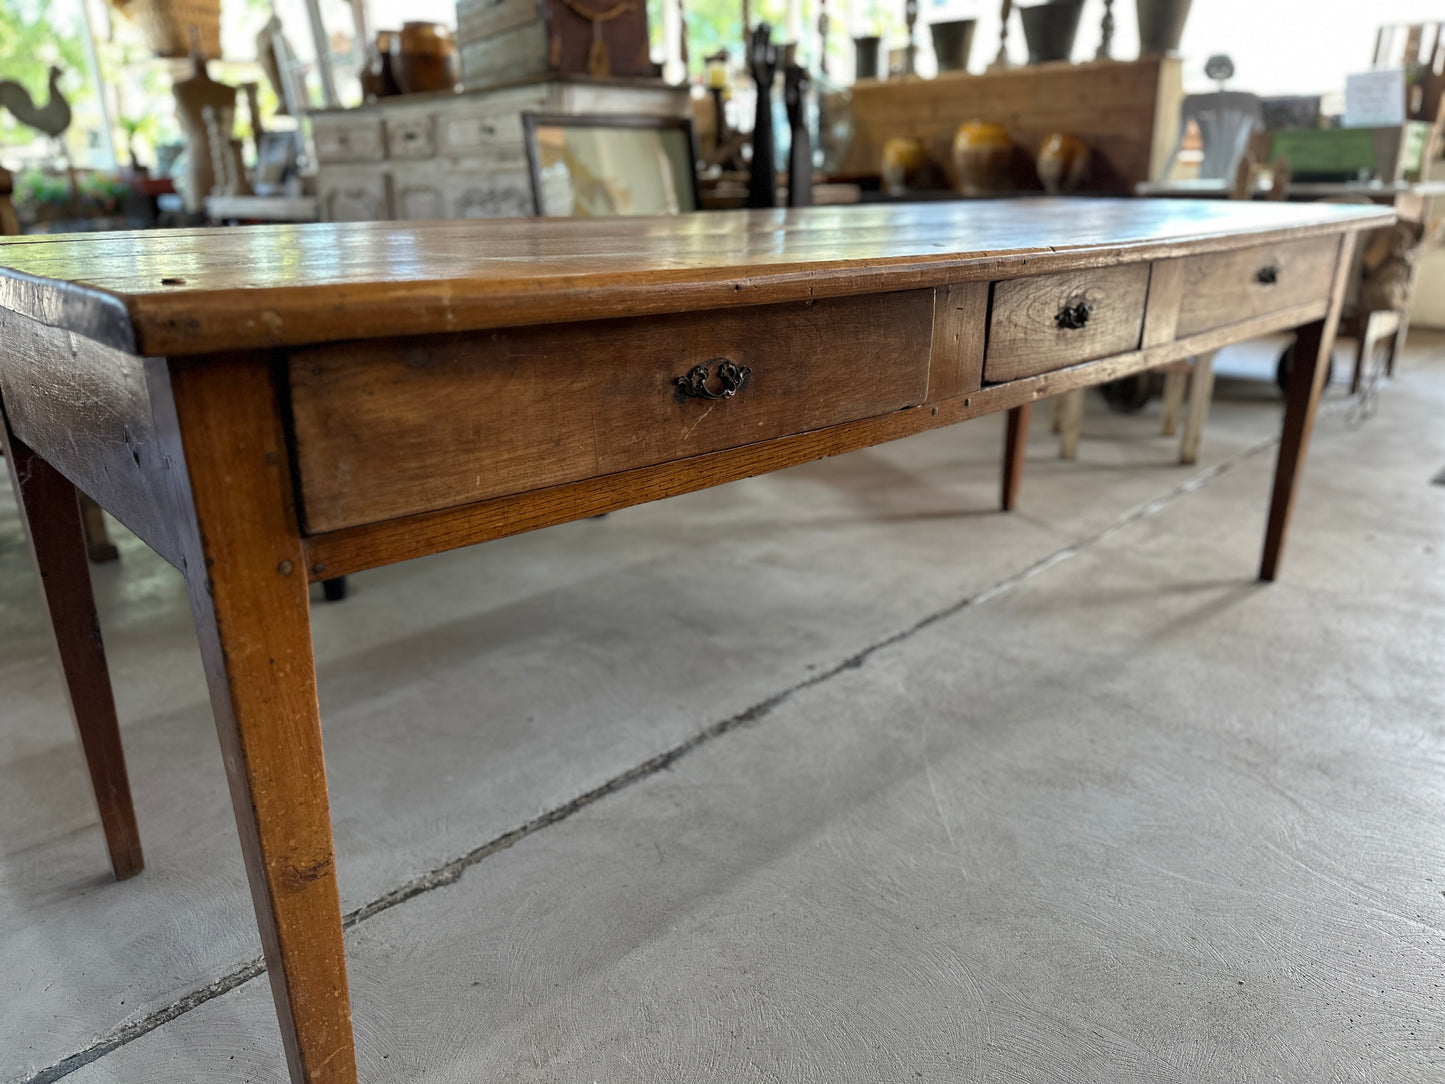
(52, 118)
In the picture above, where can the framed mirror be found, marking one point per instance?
(598, 165)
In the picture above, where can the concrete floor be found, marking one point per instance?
(1057, 796)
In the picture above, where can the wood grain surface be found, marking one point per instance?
(355, 549)
(1222, 288)
(1025, 335)
(200, 291)
(247, 589)
(86, 409)
(393, 427)
(960, 331)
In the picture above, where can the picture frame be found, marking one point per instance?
(277, 156)
(590, 165)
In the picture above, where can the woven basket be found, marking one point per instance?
(166, 25)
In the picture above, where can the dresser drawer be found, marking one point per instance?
(410, 137)
(417, 191)
(1223, 288)
(353, 139)
(614, 395)
(1050, 321)
(494, 135)
(359, 194)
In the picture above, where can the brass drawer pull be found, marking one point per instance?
(731, 376)
(1267, 275)
(1072, 317)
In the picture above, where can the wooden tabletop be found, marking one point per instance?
(179, 292)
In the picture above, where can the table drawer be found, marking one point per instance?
(1223, 288)
(1051, 321)
(388, 428)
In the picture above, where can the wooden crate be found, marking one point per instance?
(1127, 111)
(1343, 154)
(505, 40)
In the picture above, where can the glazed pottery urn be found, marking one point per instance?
(982, 157)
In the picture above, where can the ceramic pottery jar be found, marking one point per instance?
(982, 156)
(1062, 162)
(424, 57)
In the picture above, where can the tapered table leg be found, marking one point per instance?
(247, 585)
(51, 515)
(1016, 441)
(1313, 346)
(1302, 396)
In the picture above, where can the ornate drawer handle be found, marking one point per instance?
(1267, 275)
(731, 376)
(1072, 317)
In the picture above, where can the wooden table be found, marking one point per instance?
(278, 405)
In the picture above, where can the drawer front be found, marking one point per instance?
(1223, 288)
(417, 192)
(410, 137)
(353, 195)
(350, 140)
(489, 194)
(1047, 322)
(492, 134)
(389, 428)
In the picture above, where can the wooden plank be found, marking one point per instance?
(1312, 351)
(195, 291)
(1050, 321)
(1221, 288)
(477, 19)
(1166, 291)
(509, 54)
(340, 553)
(86, 409)
(394, 427)
(51, 518)
(960, 329)
(247, 586)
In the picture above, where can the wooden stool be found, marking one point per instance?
(1196, 374)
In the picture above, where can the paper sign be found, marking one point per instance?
(1375, 99)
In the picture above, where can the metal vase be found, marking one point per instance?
(1161, 25)
(952, 42)
(1049, 29)
(865, 58)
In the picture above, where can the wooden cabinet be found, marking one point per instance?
(502, 40)
(459, 155)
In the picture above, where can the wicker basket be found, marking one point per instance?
(166, 25)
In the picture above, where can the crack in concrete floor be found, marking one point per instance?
(450, 872)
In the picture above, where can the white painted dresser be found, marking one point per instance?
(458, 155)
